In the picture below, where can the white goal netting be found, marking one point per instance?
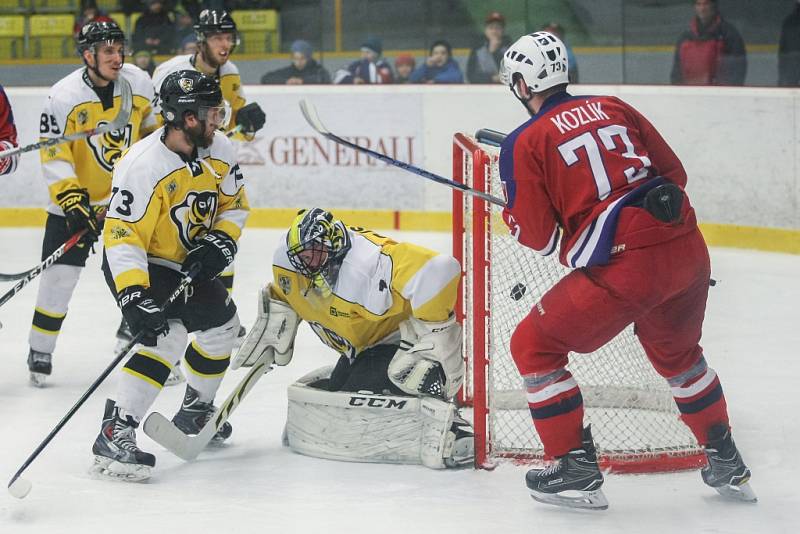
(634, 420)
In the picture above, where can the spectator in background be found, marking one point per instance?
(188, 45)
(440, 67)
(572, 64)
(789, 49)
(484, 61)
(89, 12)
(154, 30)
(184, 27)
(404, 65)
(369, 69)
(144, 60)
(303, 70)
(711, 51)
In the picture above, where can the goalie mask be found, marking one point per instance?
(317, 243)
(539, 60)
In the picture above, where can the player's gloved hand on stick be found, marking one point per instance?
(79, 212)
(142, 314)
(214, 252)
(9, 163)
(251, 118)
(429, 360)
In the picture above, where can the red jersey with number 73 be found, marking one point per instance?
(574, 166)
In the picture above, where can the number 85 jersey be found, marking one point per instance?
(574, 167)
(162, 203)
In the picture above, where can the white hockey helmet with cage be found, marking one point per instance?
(540, 59)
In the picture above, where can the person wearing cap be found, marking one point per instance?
(483, 64)
(371, 68)
(572, 64)
(440, 67)
(404, 65)
(303, 70)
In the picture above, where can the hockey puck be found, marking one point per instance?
(518, 291)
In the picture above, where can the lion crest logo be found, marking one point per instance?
(186, 85)
(108, 147)
(194, 216)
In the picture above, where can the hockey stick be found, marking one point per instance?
(122, 118)
(48, 262)
(310, 114)
(20, 487)
(162, 431)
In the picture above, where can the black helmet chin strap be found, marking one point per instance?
(96, 68)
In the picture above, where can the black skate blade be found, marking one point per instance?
(110, 469)
(583, 500)
(742, 493)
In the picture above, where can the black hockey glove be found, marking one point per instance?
(213, 253)
(79, 213)
(142, 314)
(251, 118)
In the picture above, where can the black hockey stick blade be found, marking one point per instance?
(490, 137)
(310, 114)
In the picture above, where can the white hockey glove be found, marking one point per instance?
(272, 334)
(429, 360)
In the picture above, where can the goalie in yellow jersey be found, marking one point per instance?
(387, 309)
(78, 173)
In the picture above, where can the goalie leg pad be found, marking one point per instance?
(273, 333)
(363, 427)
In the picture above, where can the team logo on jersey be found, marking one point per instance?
(109, 146)
(171, 187)
(285, 283)
(333, 340)
(118, 232)
(194, 216)
(83, 117)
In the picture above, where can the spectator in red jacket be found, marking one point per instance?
(711, 51)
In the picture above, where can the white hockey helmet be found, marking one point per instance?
(540, 59)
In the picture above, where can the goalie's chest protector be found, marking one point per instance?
(363, 309)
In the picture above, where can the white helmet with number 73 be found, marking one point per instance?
(540, 59)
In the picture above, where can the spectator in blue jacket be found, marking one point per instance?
(440, 67)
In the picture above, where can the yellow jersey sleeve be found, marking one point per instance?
(58, 161)
(232, 92)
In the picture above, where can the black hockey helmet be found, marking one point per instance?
(212, 21)
(99, 32)
(189, 91)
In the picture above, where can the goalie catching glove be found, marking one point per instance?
(272, 334)
(429, 360)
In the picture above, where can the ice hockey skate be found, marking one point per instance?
(463, 451)
(573, 481)
(726, 471)
(194, 415)
(40, 366)
(124, 336)
(116, 454)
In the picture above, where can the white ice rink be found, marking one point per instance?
(751, 338)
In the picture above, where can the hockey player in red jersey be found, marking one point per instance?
(8, 135)
(595, 170)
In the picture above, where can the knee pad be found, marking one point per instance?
(219, 340)
(529, 351)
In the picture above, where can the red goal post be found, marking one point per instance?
(634, 420)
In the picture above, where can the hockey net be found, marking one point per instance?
(634, 420)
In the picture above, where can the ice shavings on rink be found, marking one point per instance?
(255, 485)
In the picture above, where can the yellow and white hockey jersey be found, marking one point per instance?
(163, 203)
(229, 81)
(380, 284)
(73, 106)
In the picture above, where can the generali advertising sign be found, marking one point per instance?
(289, 162)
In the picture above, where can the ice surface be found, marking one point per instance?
(254, 485)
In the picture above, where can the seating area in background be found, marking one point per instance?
(43, 29)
